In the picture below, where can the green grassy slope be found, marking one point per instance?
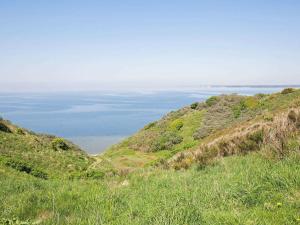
(44, 156)
(189, 127)
(248, 189)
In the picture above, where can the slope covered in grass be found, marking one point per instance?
(248, 189)
(44, 156)
(189, 127)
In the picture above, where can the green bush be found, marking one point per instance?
(20, 131)
(287, 91)
(20, 166)
(166, 141)
(39, 174)
(24, 167)
(239, 108)
(150, 125)
(95, 174)
(194, 105)
(176, 125)
(260, 95)
(211, 101)
(59, 143)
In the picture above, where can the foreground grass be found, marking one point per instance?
(237, 190)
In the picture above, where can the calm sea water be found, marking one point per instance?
(95, 121)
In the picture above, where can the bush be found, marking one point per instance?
(23, 167)
(239, 108)
(287, 91)
(150, 125)
(211, 101)
(176, 125)
(39, 174)
(59, 143)
(20, 166)
(268, 117)
(4, 128)
(260, 95)
(194, 105)
(20, 131)
(292, 116)
(95, 174)
(166, 141)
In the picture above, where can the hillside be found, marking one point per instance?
(230, 160)
(40, 155)
(192, 126)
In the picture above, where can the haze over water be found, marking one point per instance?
(96, 120)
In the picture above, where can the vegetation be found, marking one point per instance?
(248, 189)
(230, 160)
(35, 155)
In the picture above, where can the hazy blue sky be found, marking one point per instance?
(78, 45)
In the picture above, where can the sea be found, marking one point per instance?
(96, 120)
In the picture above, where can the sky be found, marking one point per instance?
(62, 45)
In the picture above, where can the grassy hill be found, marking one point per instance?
(40, 155)
(190, 127)
(230, 160)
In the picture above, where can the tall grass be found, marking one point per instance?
(236, 190)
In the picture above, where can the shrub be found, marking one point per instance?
(176, 125)
(268, 117)
(20, 166)
(251, 102)
(4, 128)
(202, 132)
(166, 141)
(257, 137)
(260, 95)
(292, 116)
(23, 167)
(20, 131)
(150, 125)
(95, 174)
(194, 105)
(211, 101)
(237, 109)
(39, 174)
(287, 91)
(59, 143)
